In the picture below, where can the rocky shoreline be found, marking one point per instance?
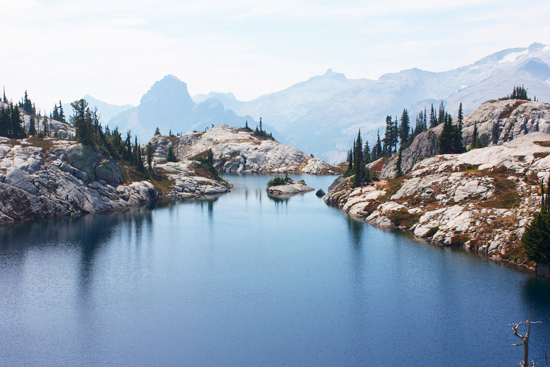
(480, 200)
(49, 177)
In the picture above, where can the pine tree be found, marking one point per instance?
(61, 114)
(366, 153)
(149, 152)
(388, 136)
(536, 238)
(55, 113)
(83, 122)
(32, 127)
(378, 146)
(157, 131)
(442, 115)
(476, 141)
(404, 128)
(446, 137)
(171, 157)
(433, 117)
(17, 130)
(399, 163)
(4, 99)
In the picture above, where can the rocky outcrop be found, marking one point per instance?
(290, 188)
(185, 183)
(241, 151)
(482, 199)
(497, 122)
(62, 178)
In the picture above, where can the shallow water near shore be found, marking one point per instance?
(249, 280)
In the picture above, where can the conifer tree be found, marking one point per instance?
(433, 117)
(366, 153)
(17, 130)
(149, 152)
(446, 137)
(61, 114)
(399, 163)
(32, 127)
(83, 122)
(476, 141)
(378, 145)
(157, 131)
(55, 113)
(404, 128)
(536, 238)
(171, 157)
(4, 99)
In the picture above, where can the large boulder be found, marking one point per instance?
(95, 164)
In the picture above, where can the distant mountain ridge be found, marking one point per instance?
(323, 114)
(168, 106)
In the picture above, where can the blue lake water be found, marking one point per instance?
(245, 280)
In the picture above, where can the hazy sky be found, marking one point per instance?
(115, 50)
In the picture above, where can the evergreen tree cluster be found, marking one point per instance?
(260, 132)
(11, 124)
(536, 238)
(357, 162)
(26, 104)
(58, 114)
(450, 140)
(208, 164)
(519, 92)
(89, 131)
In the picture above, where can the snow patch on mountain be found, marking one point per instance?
(513, 56)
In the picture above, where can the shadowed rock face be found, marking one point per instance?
(497, 123)
(95, 164)
(67, 179)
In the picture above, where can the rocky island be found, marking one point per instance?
(286, 187)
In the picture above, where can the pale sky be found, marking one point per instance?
(115, 50)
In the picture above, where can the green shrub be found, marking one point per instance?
(278, 181)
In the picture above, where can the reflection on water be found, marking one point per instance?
(232, 280)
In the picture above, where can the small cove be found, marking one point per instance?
(245, 280)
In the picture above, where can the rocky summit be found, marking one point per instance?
(47, 177)
(482, 199)
(241, 151)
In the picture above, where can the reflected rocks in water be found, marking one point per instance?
(282, 199)
(356, 227)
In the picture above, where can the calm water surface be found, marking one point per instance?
(245, 280)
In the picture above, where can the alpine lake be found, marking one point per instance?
(245, 279)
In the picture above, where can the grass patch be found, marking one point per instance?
(545, 144)
(394, 184)
(505, 195)
(45, 144)
(460, 239)
(404, 218)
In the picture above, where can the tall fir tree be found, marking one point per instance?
(32, 126)
(446, 137)
(404, 128)
(433, 117)
(62, 113)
